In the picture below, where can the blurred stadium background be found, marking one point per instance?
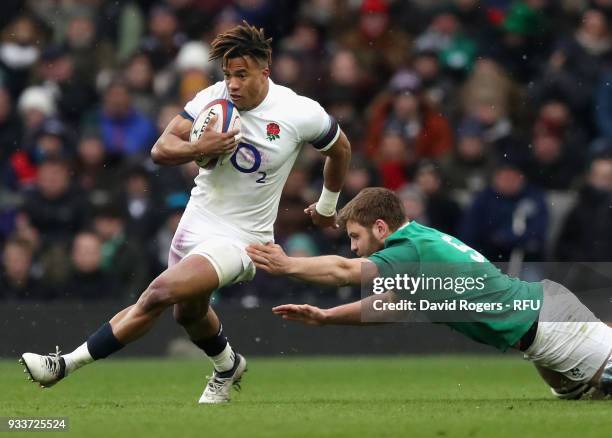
(480, 114)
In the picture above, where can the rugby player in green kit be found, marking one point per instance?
(569, 346)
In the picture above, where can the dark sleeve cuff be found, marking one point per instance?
(326, 140)
(186, 115)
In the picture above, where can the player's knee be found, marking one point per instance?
(187, 316)
(157, 297)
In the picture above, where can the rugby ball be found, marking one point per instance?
(228, 118)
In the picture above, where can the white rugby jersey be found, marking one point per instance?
(245, 190)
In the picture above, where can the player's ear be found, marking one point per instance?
(381, 228)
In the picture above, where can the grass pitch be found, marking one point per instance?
(310, 397)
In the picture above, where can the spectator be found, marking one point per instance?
(491, 98)
(469, 166)
(89, 51)
(442, 212)
(16, 279)
(15, 166)
(19, 51)
(139, 75)
(71, 92)
(405, 111)
(122, 257)
(193, 70)
(10, 127)
(574, 68)
(414, 203)
(305, 42)
(380, 48)
(124, 130)
(164, 39)
(396, 160)
(586, 234)
(93, 174)
(508, 215)
(523, 41)
(51, 140)
(35, 105)
(445, 37)
(87, 281)
(438, 87)
(140, 203)
(556, 153)
(55, 206)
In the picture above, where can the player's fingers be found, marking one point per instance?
(233, 135)
(267, 249)
(211, 123)
(259, 259)
(284, 308)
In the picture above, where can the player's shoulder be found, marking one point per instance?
(217, 90)
(296, 110)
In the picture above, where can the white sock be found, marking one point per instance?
(224, 361)
(77, 358)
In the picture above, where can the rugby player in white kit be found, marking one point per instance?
(233, 205)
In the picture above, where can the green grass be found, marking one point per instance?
(311, 397)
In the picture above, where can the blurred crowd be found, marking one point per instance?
(491, 119)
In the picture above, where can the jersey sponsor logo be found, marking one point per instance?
(272, 131)
(247, 159)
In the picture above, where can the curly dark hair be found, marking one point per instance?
(242, 40)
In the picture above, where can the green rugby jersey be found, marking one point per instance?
(420, 251)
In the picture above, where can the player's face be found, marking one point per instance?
(365, 241)
(246, 81)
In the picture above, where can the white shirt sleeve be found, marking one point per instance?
(315, 125)
(195, 105)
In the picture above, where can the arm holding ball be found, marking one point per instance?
(173, 146)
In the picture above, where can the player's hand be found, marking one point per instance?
(304, 313)
(319, 220)
(270, 257)
(214, 144)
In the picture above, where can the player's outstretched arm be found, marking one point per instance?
(326, 270)
(323, 212)
(173, 146)
(346, 314)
